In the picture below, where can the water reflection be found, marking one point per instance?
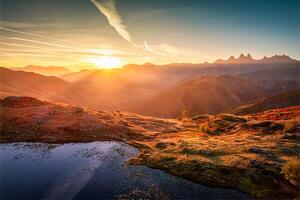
(89, 171)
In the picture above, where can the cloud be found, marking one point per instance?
(147, 47)
(45, 43)
(18, 45)
(30, 34)
(169, 49)
(108, 9)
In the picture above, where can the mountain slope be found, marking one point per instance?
(289, 72)
(282, 100)
(47, 71)
(55, 122)
(51, 88)
(134, 85)
(211, 95)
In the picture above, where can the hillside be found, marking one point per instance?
(253, 149)
(47, 71)
(132, 88)
(282, 100)
(56, 122)
(19, 83)
(211, 95)
(290, 72)
(134, 85)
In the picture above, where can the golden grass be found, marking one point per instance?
(289, 126)
(291, 171)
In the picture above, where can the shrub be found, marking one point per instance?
(204, 127)
(183, 144)
(291, 171)
(184, 114)
(289, 126)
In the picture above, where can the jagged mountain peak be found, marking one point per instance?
(242, 56)
(242, 59)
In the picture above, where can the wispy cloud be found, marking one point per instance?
(18, 45)
(30, 34)
(169, 49)
(153, 51)
(45, 43)
(109, 10)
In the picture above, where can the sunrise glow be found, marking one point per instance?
(106, 62)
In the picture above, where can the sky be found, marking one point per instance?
(103, 33)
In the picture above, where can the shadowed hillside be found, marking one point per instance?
(134, 85)
(282, 100)
(212, 95)
(131, 88)
(289, 72)
(47, 71)
(21, 83)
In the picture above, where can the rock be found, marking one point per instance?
(256, 164)
(20, 102)
(232, 118)
(291, 137)
(205, 152)
(256, 150)
(78, 110)
(161, 145)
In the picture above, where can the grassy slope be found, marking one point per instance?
(285, 99)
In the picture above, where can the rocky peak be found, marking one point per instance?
(242, 56)
(249, 56)
(242, 59)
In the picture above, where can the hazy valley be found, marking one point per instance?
(163, 91)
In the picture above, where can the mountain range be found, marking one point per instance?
(159, 90)
(47, 71)
(20, 83)
(242, 59)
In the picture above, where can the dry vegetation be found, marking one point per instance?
(291, 171)
(252, 153)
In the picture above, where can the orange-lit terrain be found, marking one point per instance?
(170, 99)
(244, 152)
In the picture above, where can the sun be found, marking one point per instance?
(106, 62)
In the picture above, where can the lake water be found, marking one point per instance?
(90, 171)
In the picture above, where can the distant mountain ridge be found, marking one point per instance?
(133, 86)
(47, 71)
(242, 59)
(20, 83)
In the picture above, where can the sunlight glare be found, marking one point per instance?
(106, 62)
